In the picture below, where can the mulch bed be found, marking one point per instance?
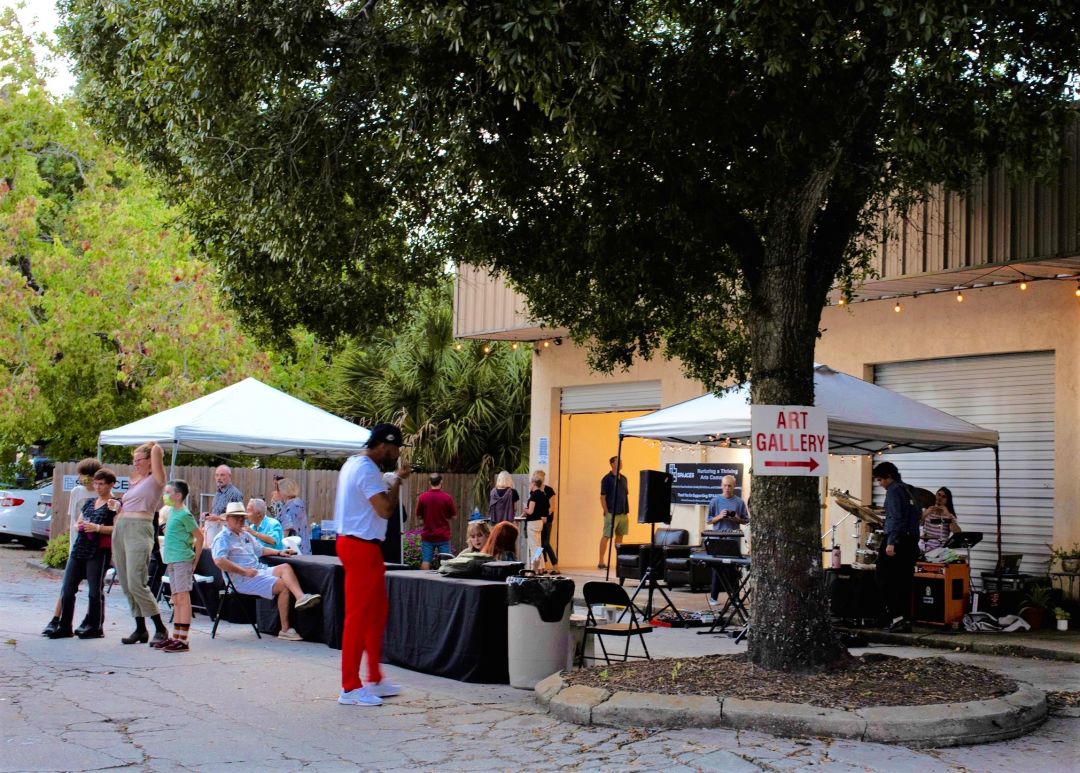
(871, 680)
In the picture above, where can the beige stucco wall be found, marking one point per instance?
(997, 320)
(990, 321)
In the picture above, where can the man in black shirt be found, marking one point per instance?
(616, 508)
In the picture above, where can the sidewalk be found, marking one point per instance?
(1045, 644)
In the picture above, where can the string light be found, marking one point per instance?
(1023, 285)
(547, 344)
(841, 302)
(487, 349)
(897, 307)
(514, 346)
(1078, 289)
(457, 347)
(959, 296)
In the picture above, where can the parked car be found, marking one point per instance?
(17, 509)
(41, 524)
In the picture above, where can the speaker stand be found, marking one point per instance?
(650, 583)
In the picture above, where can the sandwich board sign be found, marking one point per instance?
(789, 440)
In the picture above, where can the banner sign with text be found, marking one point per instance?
(696, 484)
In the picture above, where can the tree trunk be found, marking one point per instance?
(791, 630)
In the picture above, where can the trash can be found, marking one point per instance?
(538, 627)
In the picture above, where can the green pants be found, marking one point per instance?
(132, 541)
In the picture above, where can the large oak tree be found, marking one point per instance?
(686, 178)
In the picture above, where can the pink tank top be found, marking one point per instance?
(143, 497)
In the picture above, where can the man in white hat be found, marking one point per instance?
(237, 552)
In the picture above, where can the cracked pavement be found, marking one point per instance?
(237, 703)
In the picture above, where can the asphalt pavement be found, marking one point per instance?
(238, 703)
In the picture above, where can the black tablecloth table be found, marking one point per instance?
(317, 574)
(735, 584)
(324, 547)
(446, 626)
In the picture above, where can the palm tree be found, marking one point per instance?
(463, 407)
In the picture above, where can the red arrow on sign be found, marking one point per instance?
(811, 464)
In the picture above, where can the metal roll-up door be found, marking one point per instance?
(1014, 394)
(603, 398)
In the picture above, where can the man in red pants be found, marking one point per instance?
(362, 507)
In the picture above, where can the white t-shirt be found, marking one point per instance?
(78, 495)
(359, 480)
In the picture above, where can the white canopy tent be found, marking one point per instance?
(863, 419)
(248, 417)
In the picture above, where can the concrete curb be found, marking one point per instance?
(932, 726)
(944, 642)
(35, 563)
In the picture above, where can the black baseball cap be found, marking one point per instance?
(385, 433)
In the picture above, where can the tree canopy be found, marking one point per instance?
(672, 176)
(108, 314)
(463, 408)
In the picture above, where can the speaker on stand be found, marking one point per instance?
(654, 506)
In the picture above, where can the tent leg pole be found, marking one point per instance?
(611, 541)
(997, 498)
(172, 462)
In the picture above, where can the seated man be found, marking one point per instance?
(262, 527)
(237, 552)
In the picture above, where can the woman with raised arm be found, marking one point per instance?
(133, 538)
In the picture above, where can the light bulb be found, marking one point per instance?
(960, 296)
(1023, 285)
(1078, 289)
(547, 344)
(896, 308)
(841, 302)
(487, 349)
(457, 347)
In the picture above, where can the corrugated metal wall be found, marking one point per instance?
(1014, 394)
(997, 221)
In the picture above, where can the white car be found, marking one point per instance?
(17, 510)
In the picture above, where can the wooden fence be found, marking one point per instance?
(319, 488)
(460, 487)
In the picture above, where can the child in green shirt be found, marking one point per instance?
(180, 551)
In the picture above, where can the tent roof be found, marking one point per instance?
(248, 417)
(863, 419)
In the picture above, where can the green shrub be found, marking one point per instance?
(56, 552)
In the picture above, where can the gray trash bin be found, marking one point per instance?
(538, 627)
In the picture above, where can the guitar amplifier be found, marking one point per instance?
(939, 593)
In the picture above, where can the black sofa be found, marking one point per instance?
(669, 554)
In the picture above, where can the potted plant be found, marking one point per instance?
(1035, 605)
(1062, 618)
(1069, 558)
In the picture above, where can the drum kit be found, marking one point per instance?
(870, 535)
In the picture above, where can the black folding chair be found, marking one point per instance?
(605, 593)
(229, 592)
(198, 600)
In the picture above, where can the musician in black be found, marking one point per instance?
(896, 557)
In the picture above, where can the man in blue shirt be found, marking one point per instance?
(726, 512)
(896, 558)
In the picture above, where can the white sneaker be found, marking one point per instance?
(290, 634)
(713, 602)
(384, 689)
(359, 697)
(308, 600)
